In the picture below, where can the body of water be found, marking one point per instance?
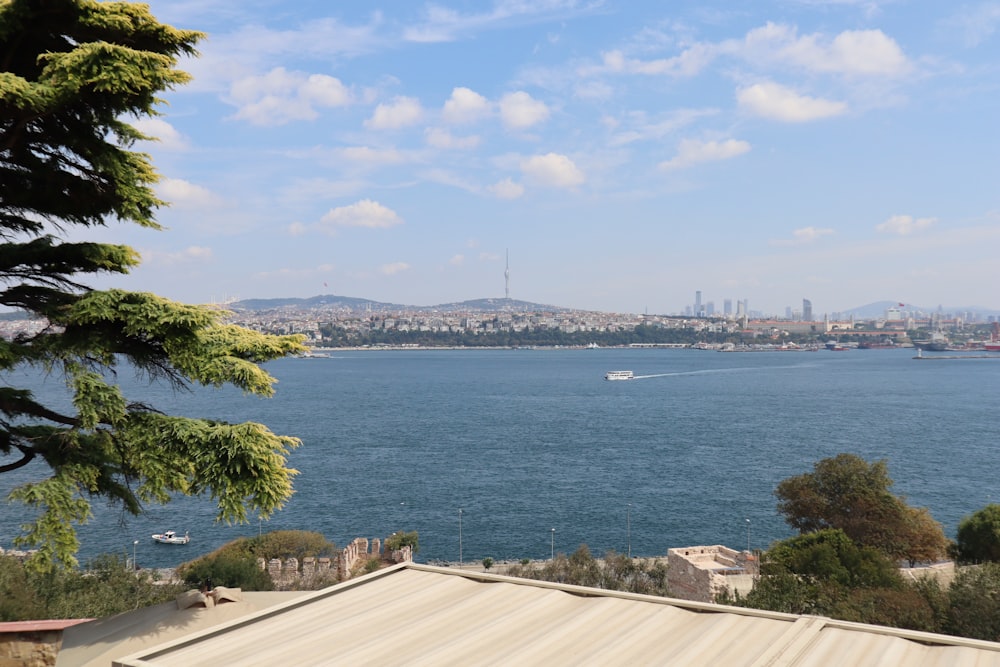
(527, 441)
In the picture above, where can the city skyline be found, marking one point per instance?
(835, 150)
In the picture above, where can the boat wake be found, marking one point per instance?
(712, 371)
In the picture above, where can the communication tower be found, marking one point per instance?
(506, 277)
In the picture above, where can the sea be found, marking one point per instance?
(523, 453)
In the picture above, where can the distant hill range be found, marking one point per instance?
(878, 309)
(498, 305)
(353, 304)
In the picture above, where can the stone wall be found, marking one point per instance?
(701, 573)
(29, 649)
(289, 574)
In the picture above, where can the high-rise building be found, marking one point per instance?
(807, 310)
(727, 307)
(697, 304)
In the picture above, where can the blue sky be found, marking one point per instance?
(626, 153)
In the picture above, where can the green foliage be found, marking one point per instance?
(848, 493)
(615, 572)
(400, 539)
(18, 600)
(974, 599)
(280, 544)
(372, 564)
(105, 588)
(979, 536)
(232, 561)
(227, 570)
(75, 72)
(831, 556)
(487, 563)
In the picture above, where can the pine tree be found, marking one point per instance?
(73, 75)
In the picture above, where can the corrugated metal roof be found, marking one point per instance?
(421, 615)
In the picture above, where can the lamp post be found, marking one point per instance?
(748, 535)
(134, 544)
(628, 528)
(460, 537)
(552, 553)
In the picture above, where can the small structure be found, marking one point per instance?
(700, 574)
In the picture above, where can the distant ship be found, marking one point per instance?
(619, 375)
(936, 343)
(876, 344)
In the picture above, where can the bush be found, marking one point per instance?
(105, 588)
(487, 562)
(399, 539)
(221, 569)
(974, 599)
(979, 536)
(615, 572)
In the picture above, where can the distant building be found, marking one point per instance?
(727, 307)
(807, 310)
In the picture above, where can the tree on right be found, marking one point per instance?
(846, 492)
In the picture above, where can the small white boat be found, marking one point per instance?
(619, 375)
(170, 537)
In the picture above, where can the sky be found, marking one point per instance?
(623, 153)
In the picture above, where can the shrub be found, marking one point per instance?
(399, 539)
(227, 570)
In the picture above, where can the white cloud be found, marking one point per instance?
(852, 52)
(442, 24)
(519, 110)
(457, 260)
(190, 255)
(774, 101)
(183, 194)
(325, 91)
(979, 23)
(904, 224)
(280, 96)
(642, 128)
(803, 236)
(297, 229)
(163, 133)
(693, 151)
(465, 106)
(401, 112)
(365, 213)
(552, 170)
(690, 62)
(394, 268)
(441, 138)
(506, 189)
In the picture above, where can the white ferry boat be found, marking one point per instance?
(619, 375)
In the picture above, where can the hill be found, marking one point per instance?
(354, 304)
(877, 309)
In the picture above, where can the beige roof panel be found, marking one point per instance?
(421, 615)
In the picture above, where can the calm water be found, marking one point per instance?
(524, 441)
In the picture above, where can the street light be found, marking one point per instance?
(134, 543)
(553, 547)
(460, 537)
(748, 535)
(628, 528)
